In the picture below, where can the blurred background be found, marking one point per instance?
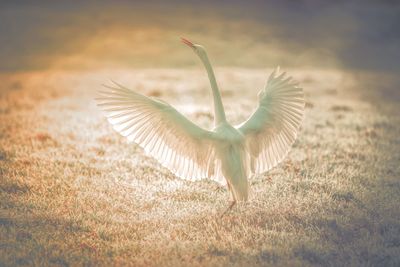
(356, 35)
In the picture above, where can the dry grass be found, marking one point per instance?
(73, 193)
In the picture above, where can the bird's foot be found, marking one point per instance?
(229, 208)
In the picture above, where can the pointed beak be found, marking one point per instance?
(187, 42)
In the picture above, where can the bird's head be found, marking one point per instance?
(198, 49)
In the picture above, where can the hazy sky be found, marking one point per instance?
(346, 34)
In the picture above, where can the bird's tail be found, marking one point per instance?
(236, 173)
(240, 189)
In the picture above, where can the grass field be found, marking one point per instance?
(72, 192)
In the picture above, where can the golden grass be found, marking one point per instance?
(73, 193)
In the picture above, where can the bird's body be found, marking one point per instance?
(231, 149)
(226, 154)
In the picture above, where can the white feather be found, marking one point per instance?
(164, 133)
(273, 127)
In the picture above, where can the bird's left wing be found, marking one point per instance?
(273, 127)
(178, 144)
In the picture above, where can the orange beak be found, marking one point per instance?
(187, 42)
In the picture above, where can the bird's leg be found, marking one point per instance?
(232, 203)
(229, 208)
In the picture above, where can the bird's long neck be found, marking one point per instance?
(219, 112)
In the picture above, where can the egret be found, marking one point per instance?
(227, 154)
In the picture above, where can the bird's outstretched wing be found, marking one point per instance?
(272, 129)
(177, 143)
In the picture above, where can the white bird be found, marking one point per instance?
(227, 154)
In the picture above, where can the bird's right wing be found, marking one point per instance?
(178, 144)
(272, 129)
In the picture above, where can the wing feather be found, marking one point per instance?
(272, 129)
(178, 144)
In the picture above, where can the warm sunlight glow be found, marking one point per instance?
(74, 192)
